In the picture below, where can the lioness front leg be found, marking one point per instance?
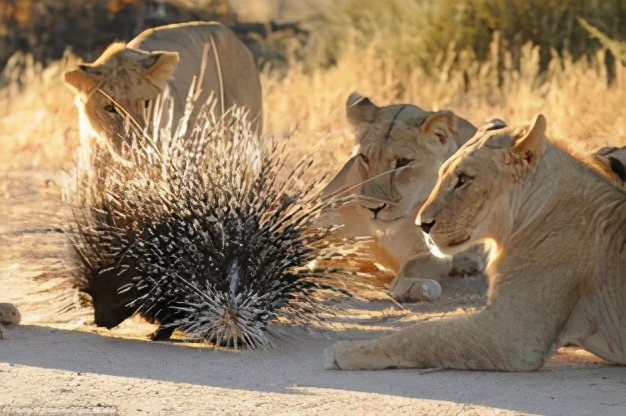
(480, 341)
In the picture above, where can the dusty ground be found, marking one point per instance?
(57, 362)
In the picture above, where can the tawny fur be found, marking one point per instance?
(557, 275)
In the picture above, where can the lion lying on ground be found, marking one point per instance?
(557, 273)
(127, 78)
(400, 150)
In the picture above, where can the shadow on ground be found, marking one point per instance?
(570, 384)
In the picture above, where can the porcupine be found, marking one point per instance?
(209, 232)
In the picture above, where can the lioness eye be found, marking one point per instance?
(401, 162)
(110, 108)
(364, 158)
(462, 179)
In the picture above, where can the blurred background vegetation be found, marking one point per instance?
(479, 58)
(448, 30)
(434, 35)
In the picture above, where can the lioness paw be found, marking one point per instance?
(338, 356)
(9, 314)
(330, 363)
(363, 355)
(410, 290)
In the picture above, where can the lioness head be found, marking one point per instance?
(400, 149)
(472, 200)
(121, 82)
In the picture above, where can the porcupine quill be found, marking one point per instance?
(208, 230)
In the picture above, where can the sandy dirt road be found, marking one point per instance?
(58, 363)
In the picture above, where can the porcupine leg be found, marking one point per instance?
(162, 333)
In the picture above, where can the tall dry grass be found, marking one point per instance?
(573, 95)
(38, 121)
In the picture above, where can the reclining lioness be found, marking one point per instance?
(557, 273)
(126, 78)
(400, 150)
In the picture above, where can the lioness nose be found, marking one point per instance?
(426, 226)
(377, 209)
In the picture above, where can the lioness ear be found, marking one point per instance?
(528, 143)
(618, 167)
(442, 124)
(605, 151)
(493, 124)
(91, 69)
(159, 67)
(79, 81)
(360, 109)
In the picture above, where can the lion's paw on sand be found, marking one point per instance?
(9, 315)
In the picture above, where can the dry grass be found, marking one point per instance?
(573, 96)
(39, 124)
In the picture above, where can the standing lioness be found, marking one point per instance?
(127, 77)
(558, 270)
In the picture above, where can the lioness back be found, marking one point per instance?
(230, 71)
(126, 77)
